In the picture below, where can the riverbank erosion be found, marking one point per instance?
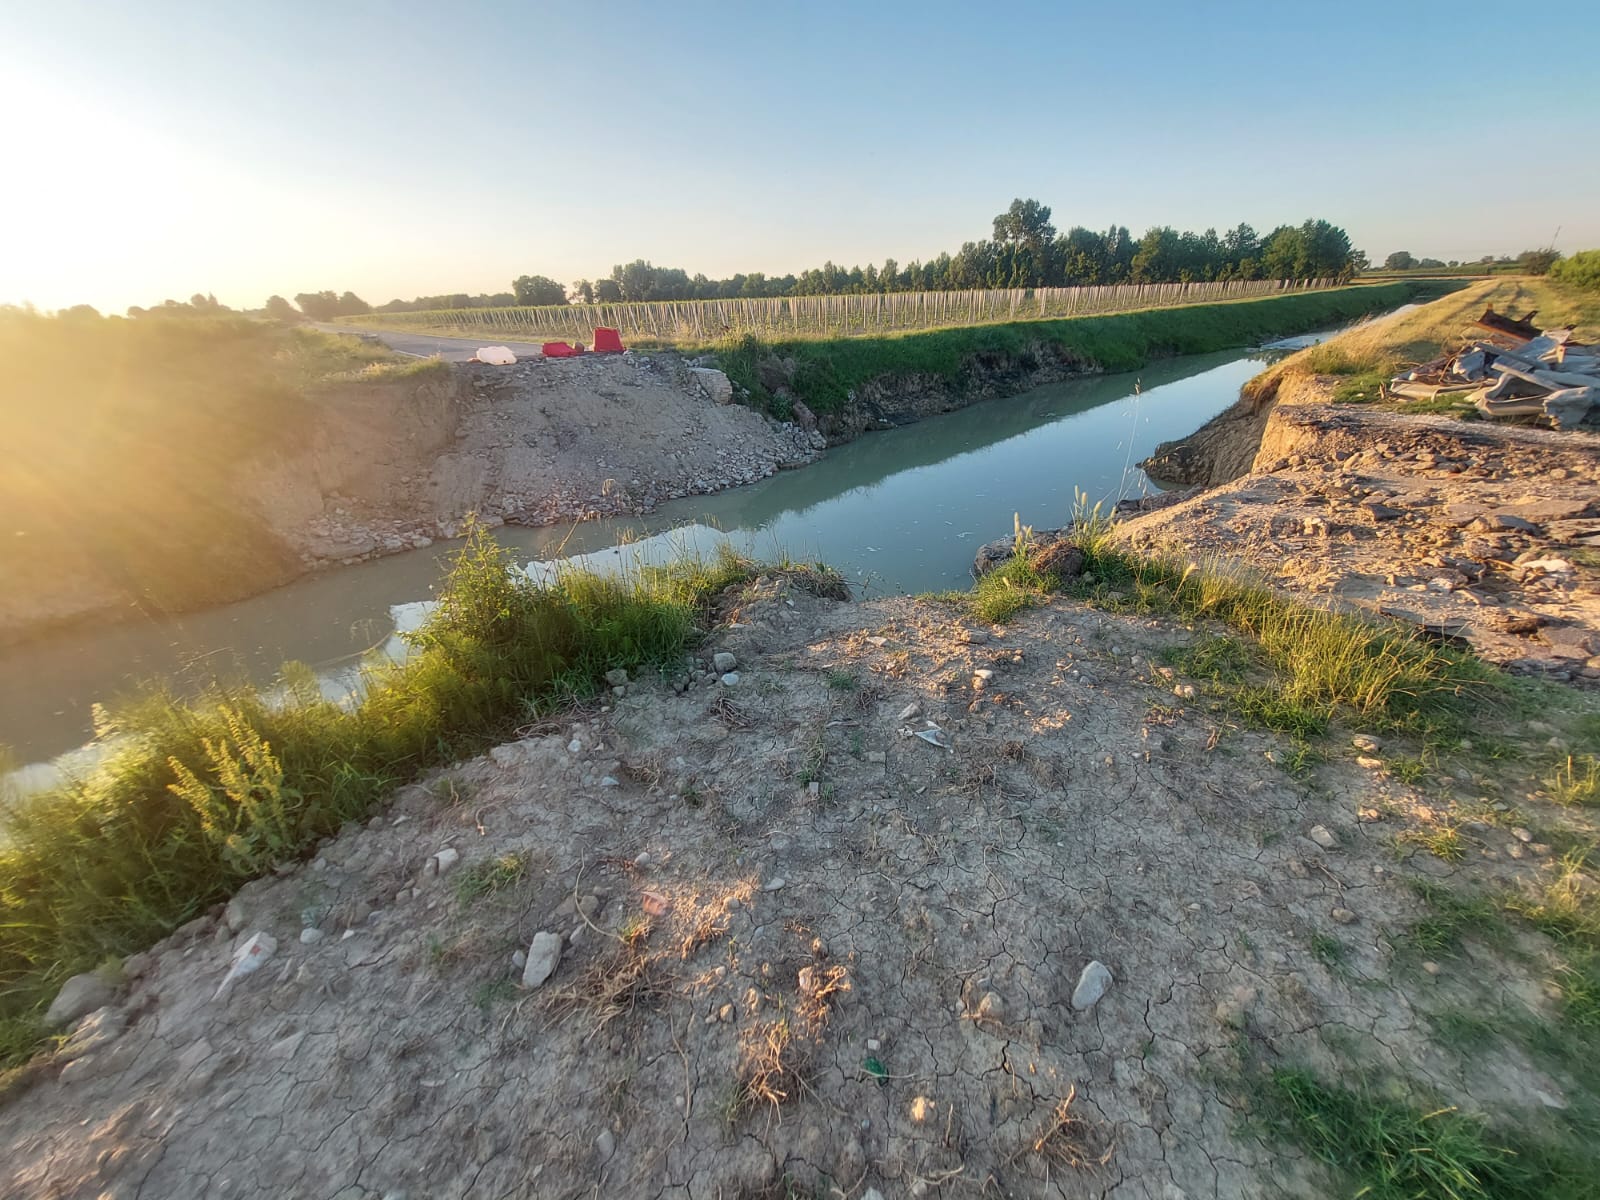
(187, 463)
(1484, 532)
(849, 385)
(875, 896)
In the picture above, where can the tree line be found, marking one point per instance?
(1024, 251)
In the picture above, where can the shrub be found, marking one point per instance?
(1582, 270)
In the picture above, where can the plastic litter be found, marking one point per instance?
(255, 950)
(495, 356)
(606, 341)
(935, 736)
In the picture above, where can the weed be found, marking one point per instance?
(194, 798)
(493, 992)
(1453, 918)
(1330, 951)
(842, 681)
(1390, 1149)
(1463, 1029)
(1067, 1140)
(616, 983)
(1576, 782)
(1443, 841)
(486, 879)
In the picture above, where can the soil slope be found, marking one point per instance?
(800, 948)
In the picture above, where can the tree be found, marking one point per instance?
(1027, 222)
(1400, 260)
(352, 305)
(319, 306)
(584, 291)
(538, 290)
(607, 291)
(1538, 262)
(280, 309)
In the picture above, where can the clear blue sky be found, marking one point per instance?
(163, 147)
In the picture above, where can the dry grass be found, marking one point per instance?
(627, 978)
(775, 1056)
(1068, 1141)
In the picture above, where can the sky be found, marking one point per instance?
(396, 149)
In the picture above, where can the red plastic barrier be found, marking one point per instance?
(606, 341)
(560, 350)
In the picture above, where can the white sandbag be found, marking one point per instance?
(495, 356)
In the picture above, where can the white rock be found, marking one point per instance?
(731, 679)
(606, 1144)
(575, 746)
(78, 997)
(723, 661)
(1323, 836)
(233, 916)
(1092, 984)
(910, 712)
(310, 937)
(609, 781)
(544, 954)
(773, 885)
(447, 858)
(519, 959)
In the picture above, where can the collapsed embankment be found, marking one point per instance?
(849, 385)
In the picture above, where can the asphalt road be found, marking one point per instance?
(422, 345)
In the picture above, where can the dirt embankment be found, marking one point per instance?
(747, 935)
(532, 444)
(1485, 533)
(378, 467)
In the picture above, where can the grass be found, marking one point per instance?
(1369, 355)
(1577, 781)
(487, 879)
(1454, 917)
(1390, 1147)
(826, 372)
(193, 799)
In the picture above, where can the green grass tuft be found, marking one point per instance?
(1390, 1149)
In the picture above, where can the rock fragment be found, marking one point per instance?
(544, 955)
(1093, 982)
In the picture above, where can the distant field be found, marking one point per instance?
(700, 321)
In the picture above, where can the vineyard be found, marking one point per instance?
(700, 321)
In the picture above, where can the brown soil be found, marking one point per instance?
(804, 948)
(1489, 533)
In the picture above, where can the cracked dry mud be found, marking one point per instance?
(1084, 812)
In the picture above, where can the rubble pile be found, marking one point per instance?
(1515, 370)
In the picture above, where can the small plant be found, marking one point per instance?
(484, 880)
(1575, 782)
(1330, 951)
(1443, 841)
(1067, 1140)
(842, 681)
(1454, 917)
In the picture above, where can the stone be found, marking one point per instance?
(1366, 743)
(78, 997)
(974, 637)
(311, 935)
(724, 661)
(1323, 836)
(234, 916)
(1184, 691)
(910, 712)
(574, 747)
(1093, 982)
(617, 678)
(446, 858)
(774, 884)
(606, 1144)
(544, 954)
(1522, 835)
(1061, 559)
(1344, 916)
(1382, 512)
(713, 383)
(730, 679)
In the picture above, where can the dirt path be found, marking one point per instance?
(802, 951)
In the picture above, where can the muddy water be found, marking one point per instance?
(897, 511)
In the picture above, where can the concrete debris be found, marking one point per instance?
(1517, 371)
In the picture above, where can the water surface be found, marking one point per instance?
(902, 510)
